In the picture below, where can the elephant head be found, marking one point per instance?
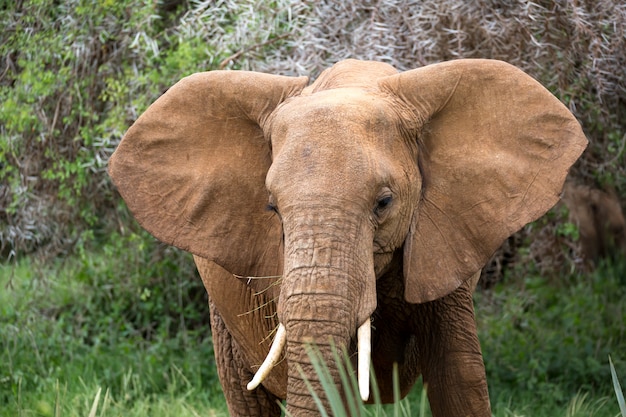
(326, 184)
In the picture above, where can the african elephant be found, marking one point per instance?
(600, 220)
(354, 212)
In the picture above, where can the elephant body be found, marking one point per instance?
(402, 330)
(354, 213)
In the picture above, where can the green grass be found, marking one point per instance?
(102, 334)
(416, 403)
(100, 324)
(619, 394)
(552, 337)
(81, 398)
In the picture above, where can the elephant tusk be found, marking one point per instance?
(271, 359)
(364, 341)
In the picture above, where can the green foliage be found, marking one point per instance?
(70, 90)
(56, 134)
(618, 389)
(354, 405)
(105, 320)
(568, 230)
(553, 338)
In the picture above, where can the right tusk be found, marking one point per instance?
(272, 357)
(364, 342)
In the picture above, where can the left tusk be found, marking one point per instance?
(271, 359)
(364, 342)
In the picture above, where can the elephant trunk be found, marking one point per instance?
(328, 292)
(302, 377)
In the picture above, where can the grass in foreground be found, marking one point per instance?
(103, 335)
(100, 323)
(416, 403)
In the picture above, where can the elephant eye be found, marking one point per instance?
(271, 206)
(382, 204)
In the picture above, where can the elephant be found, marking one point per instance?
(600, 220)
(354, 213)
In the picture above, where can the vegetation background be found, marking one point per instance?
(98, 318)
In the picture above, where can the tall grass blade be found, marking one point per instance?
(328, 385)
(423, 401)
(19, 397)
(322, 371)
(577, 405)
(316, 398)
(348, 381)
(57, 400)
(105, 402)
(618, 389)
(94, 406)
(375, 393)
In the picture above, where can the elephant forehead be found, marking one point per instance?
(327, 114)
(305, 167)
(337, 142)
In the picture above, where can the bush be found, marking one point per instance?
(69, 90)
(60, 121)
(102, 317)
(553, 338)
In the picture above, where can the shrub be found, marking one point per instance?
(69, 90)
(127, 318)
(553, 338)
(59, 120)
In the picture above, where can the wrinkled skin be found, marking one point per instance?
(368, 195)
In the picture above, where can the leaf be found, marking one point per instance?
(94, 406)
(618, 389)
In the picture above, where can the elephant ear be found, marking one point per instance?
(495, 148)
(192, 168)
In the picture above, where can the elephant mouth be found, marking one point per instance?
(382, 261)
(364, 344)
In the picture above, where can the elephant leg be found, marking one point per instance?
(234, 373)
(450, 356)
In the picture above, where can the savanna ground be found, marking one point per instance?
(98, 319)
